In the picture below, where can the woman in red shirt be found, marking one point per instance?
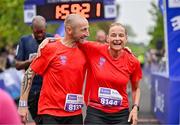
(111, 67)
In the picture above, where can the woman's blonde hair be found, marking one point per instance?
(118, 24)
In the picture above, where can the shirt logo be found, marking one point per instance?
(102, 60)
(63, 60)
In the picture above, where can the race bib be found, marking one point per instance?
(73, 102)
(32, 55)
(109, 97)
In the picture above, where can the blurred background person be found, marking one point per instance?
(101, 36)
(8, 110)
(26, 52)
(141, 60)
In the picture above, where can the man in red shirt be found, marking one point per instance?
(111, 67)
(61, 96)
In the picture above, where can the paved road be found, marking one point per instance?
(146, 116)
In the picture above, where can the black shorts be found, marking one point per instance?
(49, 119)
(95, 116)
(33, 105)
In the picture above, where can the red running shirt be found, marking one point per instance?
(110, 73)
(63, 70)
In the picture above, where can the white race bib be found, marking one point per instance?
(109, 97)
(73, 102)
(32, 55)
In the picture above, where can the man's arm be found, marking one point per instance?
(25, 88)
(22, 64)
(26, 83)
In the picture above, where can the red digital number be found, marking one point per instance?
(98, 9)
(86, 9)
(76, 8)
(62, 11)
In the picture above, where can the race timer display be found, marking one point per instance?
(58, 10)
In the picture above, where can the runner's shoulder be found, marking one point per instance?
(51, 42)
(129, 52)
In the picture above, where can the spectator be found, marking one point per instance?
(26, 52)
(8, 111)
(101, 36)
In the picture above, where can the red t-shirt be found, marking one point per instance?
(63, 71)
(111, 73)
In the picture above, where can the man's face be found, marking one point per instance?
(39, 33)
(81, 31)
(117, 38)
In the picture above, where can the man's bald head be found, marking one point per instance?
(39, 28)
(76, 27)
(74, 19)
(39, 22)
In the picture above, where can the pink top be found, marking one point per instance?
(8, 110)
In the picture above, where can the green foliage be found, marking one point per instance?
(137, 49)
(94, 26)
(156, 32)
(130, 31)
(12, 22)
(13, 26)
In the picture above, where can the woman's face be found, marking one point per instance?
(117, 37)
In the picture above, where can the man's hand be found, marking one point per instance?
(41, 46)
(133, 116)
(128, 49)
(45, 42)
(23, 112)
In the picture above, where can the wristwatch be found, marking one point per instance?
(135, 105)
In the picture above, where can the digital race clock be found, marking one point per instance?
(57, 10)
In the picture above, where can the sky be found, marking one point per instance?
(135, 13)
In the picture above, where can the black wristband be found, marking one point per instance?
(135, 105)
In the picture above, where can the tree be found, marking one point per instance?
(130, 32)
(12, 22)
(94, 26)
(156, 32)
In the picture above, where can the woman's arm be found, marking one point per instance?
(133, 116)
